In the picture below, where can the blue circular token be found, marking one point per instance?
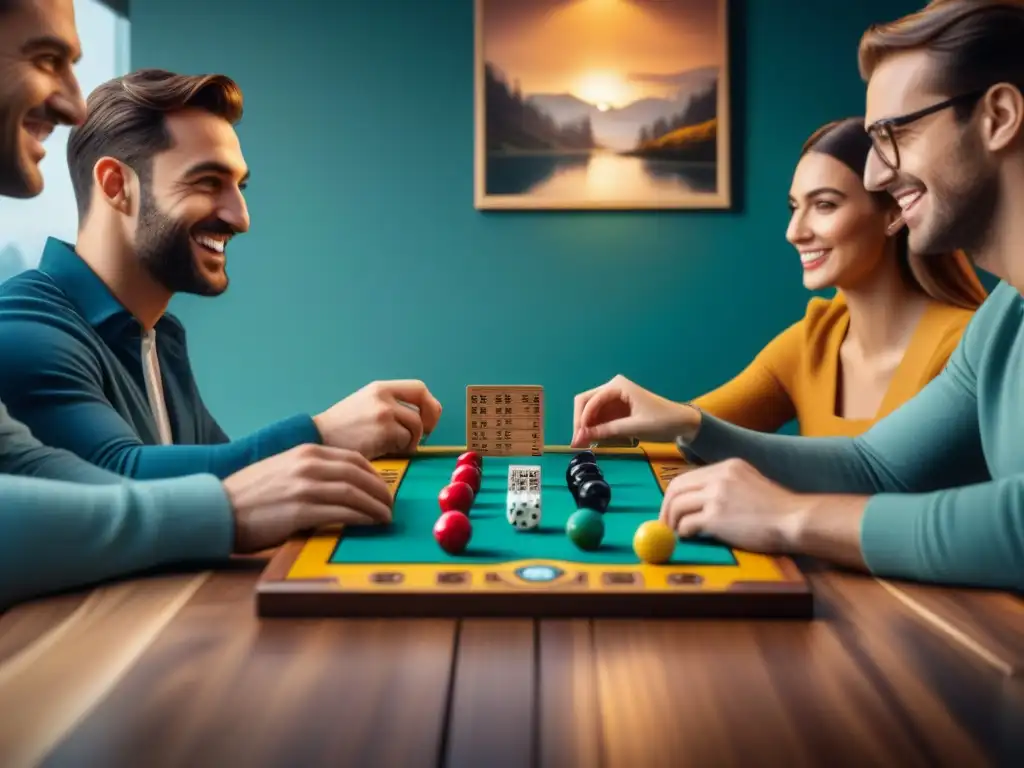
(539, 573)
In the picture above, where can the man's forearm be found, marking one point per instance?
(22, 454)
(967, 536)
(59, 535)
(803, 464)
(689, 423)
(828, 527)
(153, 462)
(929, 443)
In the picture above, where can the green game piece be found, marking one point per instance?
(585, 529)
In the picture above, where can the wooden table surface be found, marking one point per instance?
(177, 670)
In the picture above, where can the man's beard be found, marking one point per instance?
(164, 248)
(964, 202)
(13, 181)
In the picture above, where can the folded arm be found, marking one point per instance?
(21, 453)
(55, 388)
(60, 535)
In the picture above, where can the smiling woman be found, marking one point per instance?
(851, 360)
(104, 34)
(892, 325)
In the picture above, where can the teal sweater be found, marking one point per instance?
(945, 472)
(65, 523)
(71, 371)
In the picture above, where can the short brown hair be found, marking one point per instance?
(975, 44)
(125, 120)
(949, 278)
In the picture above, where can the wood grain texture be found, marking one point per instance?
(864, 685)
(952, 701)
(988, 623)
(569, 710)
(24, 624)
(220, 687)
(868, 682)
(492, 717)
(50, 684)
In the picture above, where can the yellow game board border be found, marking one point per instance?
(303, 566)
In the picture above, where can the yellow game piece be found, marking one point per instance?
(654, 542)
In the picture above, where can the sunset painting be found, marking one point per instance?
(602, 104)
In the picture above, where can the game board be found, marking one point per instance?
(399, 570)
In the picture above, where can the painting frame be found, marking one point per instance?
(722, 198)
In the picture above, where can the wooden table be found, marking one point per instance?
(176, 670)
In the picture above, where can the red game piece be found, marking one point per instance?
(456, 496)
(469, 475)
(453, 531)
(470, 457)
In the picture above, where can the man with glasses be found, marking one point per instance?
(934, 492)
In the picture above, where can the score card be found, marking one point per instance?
(506, 420)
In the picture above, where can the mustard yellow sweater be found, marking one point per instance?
(797, 374)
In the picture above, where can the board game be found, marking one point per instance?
(504, 560)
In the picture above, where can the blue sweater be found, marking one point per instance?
(65, 523)
(71, 370)
(944, 472)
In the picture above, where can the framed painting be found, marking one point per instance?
(602, 104)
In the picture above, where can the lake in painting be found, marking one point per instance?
(602, 103)
(595, 176)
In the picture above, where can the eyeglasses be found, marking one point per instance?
(883, 138)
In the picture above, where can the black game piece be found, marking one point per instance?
(571, 471)
(583, 456)
(581, 474)
(584, 470)
(594, 494)
(588, 471)
(585, 467)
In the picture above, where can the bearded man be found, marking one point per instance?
(90, 359)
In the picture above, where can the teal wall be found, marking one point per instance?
(366, 258)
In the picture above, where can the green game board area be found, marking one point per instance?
(636, 498)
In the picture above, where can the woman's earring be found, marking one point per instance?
(895, 227)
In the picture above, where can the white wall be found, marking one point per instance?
(25, 224)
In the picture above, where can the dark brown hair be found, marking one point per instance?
(949, 278)
(126, 120)
(974, 44)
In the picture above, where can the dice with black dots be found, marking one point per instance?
(524, 511)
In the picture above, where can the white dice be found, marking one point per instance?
(523, 510)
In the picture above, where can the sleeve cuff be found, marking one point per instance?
(199, 522)
(287, 434)
(888, 534)
(709, 439)
(688, 453)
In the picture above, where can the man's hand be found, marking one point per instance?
(621, 408)
(734, 503)
(308, 487)
(384, 417)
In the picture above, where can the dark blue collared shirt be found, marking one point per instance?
(71, 369)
